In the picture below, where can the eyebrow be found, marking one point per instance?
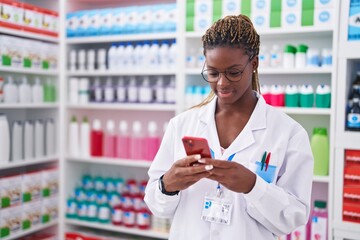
(232, 66)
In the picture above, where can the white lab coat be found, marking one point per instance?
(270, 209)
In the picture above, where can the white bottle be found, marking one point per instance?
(133, 90)
(81, 60)
(138, 56)
(173, 55)
(159, 90)
(4, 140)
(11, 91)
(85, 138)
(154, 54)
(24, 91)
(121, 90)
(146, 55)
(145, 91)
(39, 139)
(191, 59)
(74, 90)
(275, 57)
(50, 138)
(101, 59)
(37, 91)
(264, 57)
(170, 93)
(72, 61)
(97, 91)
(17, 141)
(74, 145)
(164, 55)
(128, 57)
(119, 55)
(109, 91)
(84, 91)
(112, 57)
(28, 140)
(90, 65)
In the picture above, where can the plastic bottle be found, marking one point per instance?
(172, 58)
(74, 91)
(24, 91)
(137, 141)
(320, 149)
(277, 95)
(291, 96)
(110, 140)
(146, 55)
(326, 56)
(84, 91)
(145, 91)
(265, 92)
(133, 90)
(39, 139)
(74, 142)
(4, 140)
(323, 96)
(164, 55)
(152, 141)
(306, 96)
(81, 60)
(109, 91)
(128, 56)
(300, 56)
(17, 141)
(104, 213)
(112, 57)
(119, 56)
(72, 60)
(96, 139)
(353, 116)
(85, 138)
(37, 91)
(92, 208)
(117, 215)
(289, 56)
(170, 93)
(138, 56)
(123, 141)
(28, 140)
(143, 218)
(11, 91)
(319, 221)
(71, 207)
(101, 59)
(49, 91)
(264, 57)
(50, 135)
(275, 57)
(96, 91)
(121, 90)
(159, 90)
(129, 216)
(90, 65)
(313, 57)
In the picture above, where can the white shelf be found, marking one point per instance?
(32, 230)
(29, 71)
(321, 179)
(29, 162)
(124, 106)
(28, 105)
(348, 140)
(112, 161)
(121, 38)
(119, 229)
(25, 34)
(305, 111)
(134, 72)
(277, 71)
(348, 227)
(348, 50)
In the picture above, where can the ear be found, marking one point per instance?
(255, 63)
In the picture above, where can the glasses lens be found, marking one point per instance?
(210, 75)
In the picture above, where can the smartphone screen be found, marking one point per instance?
(196, 145)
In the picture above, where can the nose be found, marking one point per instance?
(222, 80)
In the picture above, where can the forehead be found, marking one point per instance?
(222, 57)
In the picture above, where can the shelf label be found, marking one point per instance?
(354, 21)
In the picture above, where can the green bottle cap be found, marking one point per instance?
(73, 119)
(85, 120)
(302, 48)
(289, 49)
(320, 131)
(320, 204)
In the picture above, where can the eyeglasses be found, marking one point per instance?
(231, 74)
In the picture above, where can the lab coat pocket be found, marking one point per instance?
(266, 173)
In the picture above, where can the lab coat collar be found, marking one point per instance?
(245, 139)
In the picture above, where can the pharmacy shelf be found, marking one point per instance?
(348, 50)
(321, 179)
(20, 33)
(118, 229)
(133, 72)
(275, 71)
(33, 230)
(124, 106)
(305, 111)
(348, 140)
(348, 227)
(121, 38)
(29, 71)
(29, 162)
(28, 105)
(111, 161)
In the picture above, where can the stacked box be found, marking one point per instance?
(49, 209)
(31, 215)
(10, 221)
(31, 186)
(50, 182)
(10, 191)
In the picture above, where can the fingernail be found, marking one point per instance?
(209, 167)
(197, 156)
(201, 160)
(195, 165)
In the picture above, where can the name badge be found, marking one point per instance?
(217, 210)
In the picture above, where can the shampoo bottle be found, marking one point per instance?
(110, 140)
(137, 141)
(28, 140)
(74, 137)
(85, 138)
(96, 139)
(17, 141)
(11, 91)
(4, 140)
(24, 91)
(37, 92)
(152, 141)
(39, 139)
(123, 141)
(320, 148)
(50, 138)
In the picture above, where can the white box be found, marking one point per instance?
(260, 6)
(261, 21)
(11, 13)
(231, 7)
(202, 23)
(31, 214)
(31, 186)
(291, 5)
(49, 209)
(10, 190)
(203, 8)
(50, 182)
(10, 221)
(323, 17)
(291, 19)
(324, 4)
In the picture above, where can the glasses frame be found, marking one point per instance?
(224, 72)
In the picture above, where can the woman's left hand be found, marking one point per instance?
(231, 175)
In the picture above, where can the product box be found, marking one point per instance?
(10, 221)
(49, 56)
(202, 23)
(291, 19)
(10, 191)
(11, 14)
(230, 7)
(354, 23)
(261, 20)
(31, 16)
(31, 215)
(203, 8)
(291, 5)
(50, 182)
(324, 4)
(31, 186)
(260, 6)
(49, 21)
(49, 209)
(323, 17)
(72, 23)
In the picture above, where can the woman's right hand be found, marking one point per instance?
(184, 173)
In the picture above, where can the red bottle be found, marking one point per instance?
(96, 139)
(129, 216)
(117, 215)
(143, 218)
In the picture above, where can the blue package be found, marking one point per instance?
(354, 21)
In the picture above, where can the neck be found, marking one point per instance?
(244, 105)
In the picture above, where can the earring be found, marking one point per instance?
(254, 71)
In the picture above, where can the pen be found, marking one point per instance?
(267, 161)
(263, 160)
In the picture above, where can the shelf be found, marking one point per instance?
(348, 50)
(347, 226)
(124, 106)
(29, 162)
(119, 229)
(121, 38)
(321, 179)
(281, 32)
(133, 72)
(112, 161)
(28, 105)
(29, 71)
(32, 230)
(25, 34)
(348, 140)
(277, 71)
(305, 111)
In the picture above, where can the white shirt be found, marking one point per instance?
(270, 209)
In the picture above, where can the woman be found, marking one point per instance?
(258, 182)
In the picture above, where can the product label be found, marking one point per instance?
(354, 21)
(143, 219)
(92, 211)
(6, 13)
(353, 120)
(129, 218)
(117, 215)
(318, 228)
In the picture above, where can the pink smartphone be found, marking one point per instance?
(196, 145)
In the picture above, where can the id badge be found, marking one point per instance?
(217, 210)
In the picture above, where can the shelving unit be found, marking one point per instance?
(30, 162)
(112, 161)
(37, 72)
(33, 230)
(29, 106)
(124, 106)
(24, 34)
(124, 72)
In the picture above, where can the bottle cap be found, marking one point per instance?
(289, 49)
(73, 119)
(85, 120)
(152, 127)
(320, 131)
(322, 89)
(110, 125)
(291, 89)
(320, 204)
(302, 48)
(136, 127)
(97, 124)
(123, 126)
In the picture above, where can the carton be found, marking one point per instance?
(10, 191)
(10, 221)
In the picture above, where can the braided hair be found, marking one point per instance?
(233, 31)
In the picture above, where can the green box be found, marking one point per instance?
(308, 4)
(190, 9)
(215, 18)
(246, 7)
(217, 8)
(307, 18)
(275, 19)
(189, 24)
(275, 6)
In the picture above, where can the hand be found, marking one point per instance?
(231, 175)
(184, 173)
